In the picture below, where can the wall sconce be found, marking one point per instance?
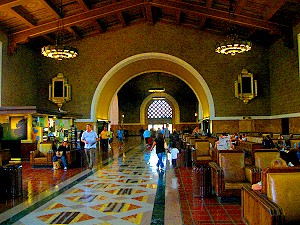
(59, 90)
(245, 86)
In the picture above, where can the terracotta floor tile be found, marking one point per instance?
(208, 210)
(194, 210)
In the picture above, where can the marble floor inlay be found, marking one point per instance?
(123, 192)
(124, 188)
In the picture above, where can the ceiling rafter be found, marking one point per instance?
(202, 20)
(26, 21)
(13, 13)
(177, 17)
(152, 10)
(218, 14)
(240, 6)
(5, 4)
(22, 36)
(274, 9)
(94, 22)
(120, 16)
(58, 16)
(148, 14)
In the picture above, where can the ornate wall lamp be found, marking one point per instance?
(59, 90)
(245, 86)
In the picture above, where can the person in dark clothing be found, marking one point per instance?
(290, 157)
(160, 149)
(81, 142)
(267, 142)
(142, 134)
(63, 156)
(288, 142)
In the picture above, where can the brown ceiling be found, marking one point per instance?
(36, 21)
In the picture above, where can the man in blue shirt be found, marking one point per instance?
(90, 138)
(147, 135)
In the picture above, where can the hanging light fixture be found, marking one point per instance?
(59, 51)
(155, 90)
(158, 98)
(233, 44)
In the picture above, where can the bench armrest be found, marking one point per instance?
(257, 209)
(253, 174)
(217, 178)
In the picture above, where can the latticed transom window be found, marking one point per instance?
(159, 109)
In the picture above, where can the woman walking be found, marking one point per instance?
(160, 149)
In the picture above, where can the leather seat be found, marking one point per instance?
(42, 156)
(229, 174)
(262, 160)
(202, 153)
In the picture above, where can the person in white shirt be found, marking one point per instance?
(90, 139)
(174, 152)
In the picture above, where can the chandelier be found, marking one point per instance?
(59, 51)
(232, 44)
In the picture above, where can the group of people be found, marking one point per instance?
(162, 144)
(88, 144)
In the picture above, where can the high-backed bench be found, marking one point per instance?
(278, 201)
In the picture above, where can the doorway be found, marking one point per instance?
(156, 126)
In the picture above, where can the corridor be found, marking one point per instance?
(125, 188)
(128, 190)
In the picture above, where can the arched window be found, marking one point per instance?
(159, 109)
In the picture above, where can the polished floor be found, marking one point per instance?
(124, 188)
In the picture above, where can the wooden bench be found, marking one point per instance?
(278, 201)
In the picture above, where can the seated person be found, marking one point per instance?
(242, 137)
(290, 157)
(234, 139)
(196, 132)
(275, 163)
(288, 141)
(224, 142)
(62, 148)
(267, 142)
(281, 143)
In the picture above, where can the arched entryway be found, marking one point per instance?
(135, 65)
(148, 100)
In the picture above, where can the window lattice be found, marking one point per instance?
(159, 109)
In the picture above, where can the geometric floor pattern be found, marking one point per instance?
(125, 188)
(120, 193)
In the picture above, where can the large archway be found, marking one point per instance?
(135, 65)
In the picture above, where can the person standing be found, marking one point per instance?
(90, 138)
(121, 136)
(147, 135)
(160, 150)
(167, 134)
(111, 136)
(142, 134)
(104, 136)
(174, 153)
